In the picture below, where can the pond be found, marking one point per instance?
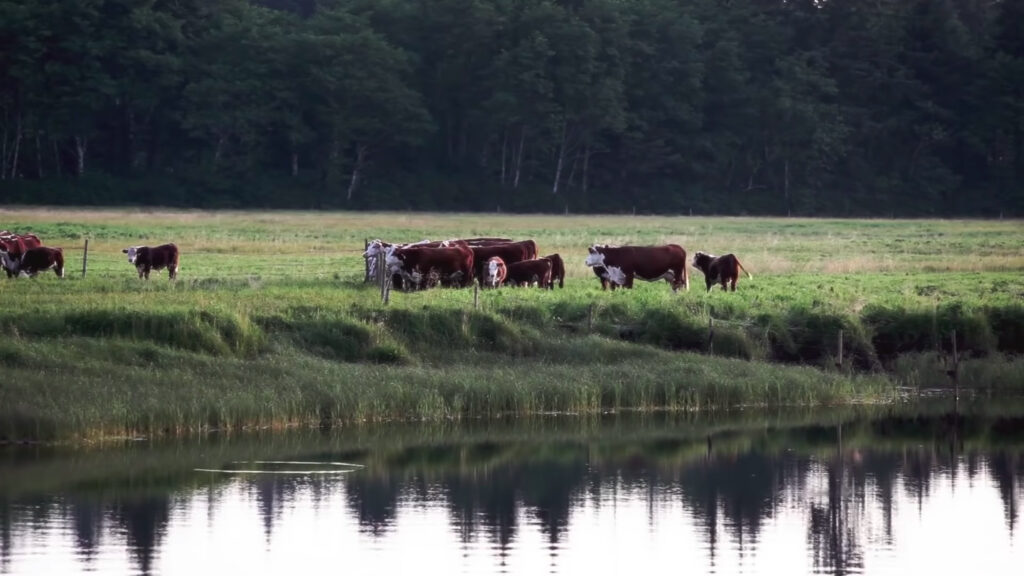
(926, 489)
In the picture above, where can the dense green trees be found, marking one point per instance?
(843, 107)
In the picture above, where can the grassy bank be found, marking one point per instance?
(270, 324)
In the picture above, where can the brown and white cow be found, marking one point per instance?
(148, 258)
(36, 260)
(557, 270)
(509, 252)
(453, 265)
(526, 272)
(15, 245)
(724, 269)
(495, 273)
(624, 263)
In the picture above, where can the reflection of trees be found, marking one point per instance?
(6, 536)
(374, 499)
(87, 520)
(1006, 469)
(833, 528)
(144, 521)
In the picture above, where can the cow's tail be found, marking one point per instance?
(749, 275)
(58, 260)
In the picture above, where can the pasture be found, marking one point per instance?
(270, 323)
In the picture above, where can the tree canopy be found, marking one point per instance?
(803, 107)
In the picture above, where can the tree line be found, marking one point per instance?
(803, 107)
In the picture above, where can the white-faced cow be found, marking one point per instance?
(453, 265)
(146, 258)
(495, 273)
(650, 263)
(36, 260)
(724, 269)
(527, 272)
(557, 270)
(15, 246)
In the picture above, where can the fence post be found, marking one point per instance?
(590, 318)
(476, 296)
(711, 335)
(366, 261)
(85, 257)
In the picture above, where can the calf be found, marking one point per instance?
(36, 260)
(496, 272)
(148, 258)
(650, 263)
(527, 272)
(557, 270)
(602, 275)
(724, 269)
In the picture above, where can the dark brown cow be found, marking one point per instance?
(510, 252)
(36, 260)
(724, 269)
(557, 270)
(526, 272)
(495, 273)
(148, 258)
(453, 264)
(650, 263)
(16, 245)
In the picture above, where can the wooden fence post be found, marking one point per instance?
(590, 318)
(366, 261)
(85, 257)
(476, 296)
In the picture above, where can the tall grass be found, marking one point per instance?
(270, 323)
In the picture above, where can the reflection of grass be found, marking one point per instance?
(665, 441)
(274, 300)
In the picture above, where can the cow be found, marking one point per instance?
(724, 269)
(650, 263)
(496, 272)
(557, 270)
(602, 275)
(509, 252)
(526, 272)
(16, 245)
(148, 258)
(36, 260)
(454, 265)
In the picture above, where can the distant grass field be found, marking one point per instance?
(270, 322)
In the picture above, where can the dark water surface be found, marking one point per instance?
(877, 491)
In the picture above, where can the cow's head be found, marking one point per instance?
(495, 271)
(132, 253)
(702, 261)
(374, 248)
(595, 256)
(395, 260)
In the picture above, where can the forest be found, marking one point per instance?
(784, 107)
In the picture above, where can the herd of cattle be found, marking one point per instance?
(493, 262)
(24, 254)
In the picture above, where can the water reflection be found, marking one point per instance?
(839, 498)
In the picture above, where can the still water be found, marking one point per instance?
(880, 491)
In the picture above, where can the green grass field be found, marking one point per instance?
(270, 323)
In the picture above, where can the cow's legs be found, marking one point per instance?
(172, 272)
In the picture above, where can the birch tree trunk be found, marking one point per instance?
(561, 159)
(360, 158)
(81, 145)
(218, 150)
(519, 157)
(17, 147)
(504, 147)
(295, 164)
